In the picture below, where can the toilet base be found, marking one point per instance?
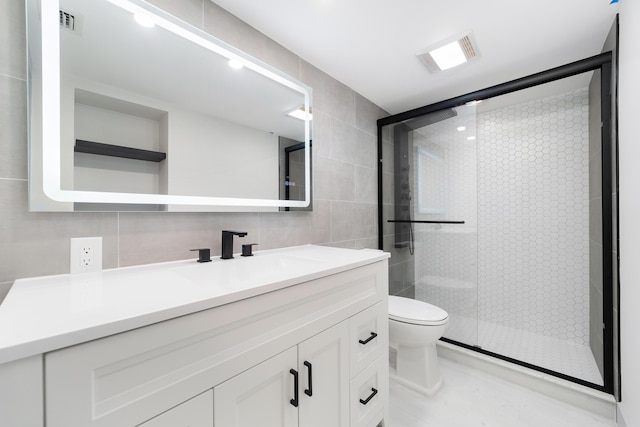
(416, 367)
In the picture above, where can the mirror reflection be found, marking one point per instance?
(151, 107)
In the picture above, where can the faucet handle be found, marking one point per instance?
(246, 249)
(236, 233)
(204, 255)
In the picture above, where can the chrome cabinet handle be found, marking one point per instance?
(373, 393)
(373, 335)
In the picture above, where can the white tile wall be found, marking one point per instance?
(521, 260)
(533, 213)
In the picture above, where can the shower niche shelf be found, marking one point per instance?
(99, 148)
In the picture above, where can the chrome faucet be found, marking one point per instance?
(227, 242)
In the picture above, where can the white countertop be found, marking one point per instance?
(42, 314)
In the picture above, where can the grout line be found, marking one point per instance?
(260, 228)
(13, 77)
(14, 179)
(118, 239)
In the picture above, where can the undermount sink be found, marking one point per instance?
(239, 271)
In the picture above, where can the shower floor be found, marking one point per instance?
(554, 354)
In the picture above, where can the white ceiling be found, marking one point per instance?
(370, 45)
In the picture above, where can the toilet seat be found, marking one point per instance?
(416, 312)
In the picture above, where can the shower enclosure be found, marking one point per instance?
(497, 207)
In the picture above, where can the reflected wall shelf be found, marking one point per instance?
(99, 148)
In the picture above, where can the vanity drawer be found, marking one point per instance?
(196, 412)
(369, 394)
(368, 336)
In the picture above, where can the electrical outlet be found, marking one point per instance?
(85, 254)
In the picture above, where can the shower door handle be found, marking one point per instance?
(412, 221)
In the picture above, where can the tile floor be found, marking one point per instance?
(471, 398)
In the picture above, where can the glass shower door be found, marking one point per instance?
(430, 214)
(495, 211)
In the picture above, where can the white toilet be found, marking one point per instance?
(414, 328)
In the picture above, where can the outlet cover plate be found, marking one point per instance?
(85, 254)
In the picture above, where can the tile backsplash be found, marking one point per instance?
(345, 194)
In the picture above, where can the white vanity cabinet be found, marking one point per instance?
(309, 350)
(196, 412)
(306, 385)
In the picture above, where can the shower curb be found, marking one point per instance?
(594, 401)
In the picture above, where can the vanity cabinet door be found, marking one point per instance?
(260, 396)
(323, 363)
(196, 412)
(307, 385)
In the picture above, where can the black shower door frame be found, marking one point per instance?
(602, 62)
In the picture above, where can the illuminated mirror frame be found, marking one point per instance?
(50, 113)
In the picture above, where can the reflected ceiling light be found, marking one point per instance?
(461, 128)
(144, 20)
(236, 64)
(471, 138)
(472, 103)
(449, 53)
(300, 113)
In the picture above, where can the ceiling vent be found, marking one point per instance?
(467, 47)
(449, 53)
(70, 21)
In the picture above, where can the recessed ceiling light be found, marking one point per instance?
(300, 113)
(144, 20)
(449, 53)
(461, 128)
(448, 56)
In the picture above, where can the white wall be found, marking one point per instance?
(629, 173)
(213, 157)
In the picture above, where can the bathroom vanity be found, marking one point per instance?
(288, 337)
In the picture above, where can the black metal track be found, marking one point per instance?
(380, 204)
(413, 221)
(525, 364)
(607, 227)
(557, 73)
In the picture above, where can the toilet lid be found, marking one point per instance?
(413, 311)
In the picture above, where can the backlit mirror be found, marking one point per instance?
(133, 109)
